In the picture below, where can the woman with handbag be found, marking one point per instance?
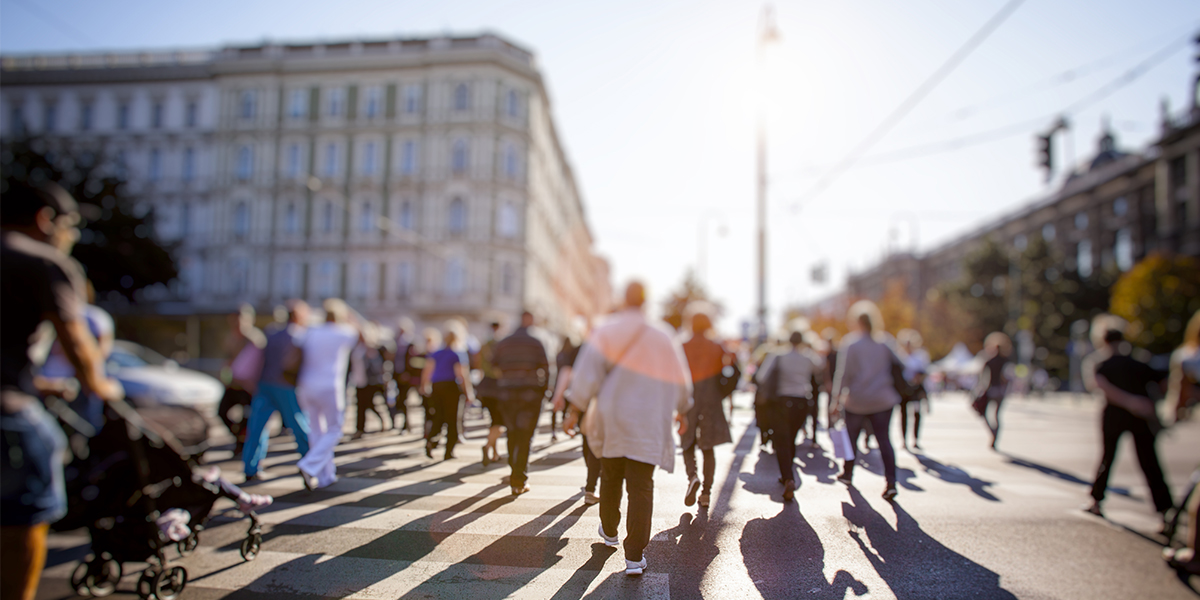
(864, 387)
(706, 361)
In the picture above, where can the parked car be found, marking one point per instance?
(151, 379)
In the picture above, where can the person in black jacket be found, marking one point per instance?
(523, 369)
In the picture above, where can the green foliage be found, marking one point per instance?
(1158, 296)
(981, 291)
(117, 246)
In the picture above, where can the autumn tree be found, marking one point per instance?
(676, 305)
(1158, 296)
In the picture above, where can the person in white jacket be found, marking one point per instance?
(636, 373)
(321, 391)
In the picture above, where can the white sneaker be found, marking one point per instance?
(590, 498)
(608, 541)
(635, 568)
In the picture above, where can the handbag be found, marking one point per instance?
(768, 391)
(840, 439)
(728, 380)
(592, 425)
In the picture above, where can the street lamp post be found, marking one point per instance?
(768, 35)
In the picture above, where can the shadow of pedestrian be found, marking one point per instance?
(765, 478)
(952, 474)
(873, 462)
(785, 559)
(815, 462)
(913, 563)
(1069, 478)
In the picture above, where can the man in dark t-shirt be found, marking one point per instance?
(38, 283)
(1125, 383)
(523, 377)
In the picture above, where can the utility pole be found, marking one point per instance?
(768, 34)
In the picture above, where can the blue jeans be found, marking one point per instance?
(881, 423)
(32, 489)
(267, 400)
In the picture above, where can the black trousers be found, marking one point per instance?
(710, 465)
(915, 403)
(520, 418)
(443, 412)
(788, 417)
(593, 467)
(235, 397)
(638, 478)
(401, 407)
(881, 423)
(365, 402)
(1114, 422)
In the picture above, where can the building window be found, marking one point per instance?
(1123, 249)
(455, 277)
(190, 114)
(364, 280)
(406, 215)
(189, 164)
(49, 117)
(293, 161)
(1048, 232)
(185, 219)
(327, 218)
(508, 279)
(16, 119)
(1120, 206)
(289, 280)
(506, 221)
(123, 116)
(366, 218)
(404, 279)
(331, 160)
(336, 101)
(462, 97)
(85, 116)
(121, 163)
(239, 276)
(248, 104)
(1083, 258)
(156, 115)
(511, 162)
(459, 157)
(458, 216)
(412, 99)
(368, 167)
(512, 105)
(241, 219)
(408, 158)
(155, 171)
(327, 278)
(298, 104)
(245, 163)
(373, 103)
(291, 219)
(1081, 221)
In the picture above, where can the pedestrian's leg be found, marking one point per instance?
(612, 477)
(24, 558)
(401, 406)
(255, 449)
(593, 467)
(854, 426)
(639, 482)
(689, 460)
(783, 439)
(710, 470)
(1143, 443)
(527, 423)
(904, 422)
(363, 397)
(451, 408)
(435, 418)
(1111, 430)
(917, 425)
(284, 400)
(881, 423)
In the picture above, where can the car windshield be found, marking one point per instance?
(123, 360)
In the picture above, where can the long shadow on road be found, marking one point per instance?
(953, 474)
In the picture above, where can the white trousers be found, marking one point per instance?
(325, 409)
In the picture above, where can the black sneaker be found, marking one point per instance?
(889, 493)
(693, 487)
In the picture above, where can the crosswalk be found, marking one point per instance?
(399, 525)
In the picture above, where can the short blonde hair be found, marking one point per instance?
(999, 341)
(866, 313)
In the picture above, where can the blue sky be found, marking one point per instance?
(655, 103)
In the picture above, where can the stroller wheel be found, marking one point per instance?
(145, 584)
(97, 577)
(189, 545)
(250, 546)
(79, 579)
(168, 584)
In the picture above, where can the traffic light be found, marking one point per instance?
(1046, 153)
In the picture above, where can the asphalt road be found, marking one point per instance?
(968, 523)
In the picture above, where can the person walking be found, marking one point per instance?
(993, 384)
(562, 385)
(488, 393)
(708, 428)
(1183, 390)
(864, 390)
(1123, 381)
(794, 373)
(39, 282)
(637, 376)
(406, 375)
(444, 381)
(321, 391)
(523, 376)
(371, 375)
(275, 393)
(916, 364)
(243, 347)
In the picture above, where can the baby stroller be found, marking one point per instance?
(137, 493)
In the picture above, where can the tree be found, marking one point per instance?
(117, 245)
(981, 291)
(1158, 296)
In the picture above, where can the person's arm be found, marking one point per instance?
(464, 379)
(837, 396)
(1138, 405)
(80, 348)
(427, 376)
(560, 387)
